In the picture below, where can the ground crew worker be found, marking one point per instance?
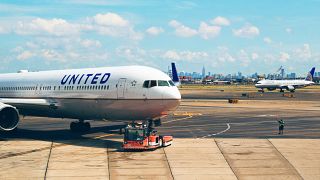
(281, 126)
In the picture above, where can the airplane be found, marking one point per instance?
(125, 93)
(290, 85)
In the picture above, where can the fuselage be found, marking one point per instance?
(114, 93)
(283, 84)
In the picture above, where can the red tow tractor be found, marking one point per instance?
(141, 136)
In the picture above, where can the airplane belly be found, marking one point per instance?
(111, 109)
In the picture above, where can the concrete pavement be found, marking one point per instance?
(186, 159)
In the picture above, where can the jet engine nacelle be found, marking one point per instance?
(271, 89)
(9, 117)
(290, 88)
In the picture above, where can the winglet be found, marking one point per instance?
(310, 75)
(175, 77)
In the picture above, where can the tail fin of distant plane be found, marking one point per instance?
(175, 77)
(310, 75)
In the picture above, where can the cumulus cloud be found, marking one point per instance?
(303, 53)
(24, 55)
(267, 40)
(288, 30)
(154, 30)
(247, 31)
(254, 56)
(110, 19)
(3, 30)
(182, 30)
(185, 55)
(220, 21)
(243, 56)
(90, 43)
(284, 57)
(207, 31)
(223, 55)
(39, 26)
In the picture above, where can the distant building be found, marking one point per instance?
(203, 72)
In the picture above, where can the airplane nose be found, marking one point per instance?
(173, 93)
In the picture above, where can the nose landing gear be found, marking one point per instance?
(80, 126)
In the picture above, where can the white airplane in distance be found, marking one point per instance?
(289, 85)
(110, 93)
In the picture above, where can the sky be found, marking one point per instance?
(225, 36)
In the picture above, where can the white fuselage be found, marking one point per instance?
(283, 84)
(115, 93)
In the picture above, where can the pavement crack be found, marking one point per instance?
(288, 162)
(45, 174)
(225, 158)
(165, 154)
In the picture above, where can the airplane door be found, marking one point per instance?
(121, 87)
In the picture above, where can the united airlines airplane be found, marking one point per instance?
(289, 85)
(108, 93)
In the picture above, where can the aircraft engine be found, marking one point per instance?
(9, 117)
(290, 88)
(271, 89)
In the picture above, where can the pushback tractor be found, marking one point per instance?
(141, 136)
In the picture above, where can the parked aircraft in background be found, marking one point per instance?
(290, 85)
(114, 93)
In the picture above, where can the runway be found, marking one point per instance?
(212, 140)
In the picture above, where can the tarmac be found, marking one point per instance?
(212, 140)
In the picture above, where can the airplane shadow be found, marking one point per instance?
(65, 136)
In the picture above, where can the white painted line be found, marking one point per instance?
(209, 135)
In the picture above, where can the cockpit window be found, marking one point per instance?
(153, 83)
(163, 83)
(171, 83)
(146, 84)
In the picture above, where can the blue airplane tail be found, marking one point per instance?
(310, 75)
(175, 77)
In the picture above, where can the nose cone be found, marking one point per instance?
(171, 98)
(173, 93)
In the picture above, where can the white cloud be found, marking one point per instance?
(223, 55)
(3, 30)
(284, 57)
(220, 21)
(303, 53)
(154, 30)
(254, 56)
(111, 24)
(244, 58)
(247, 31)
(39, 26)
(267, 40)
(288, 30)
(182, 30)
(110, 19)
(90, 43)
(207, 31)
(171, 55)
(24, 55)
(185, 55)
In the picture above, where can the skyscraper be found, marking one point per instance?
(203, 72)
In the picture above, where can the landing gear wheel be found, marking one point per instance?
(73, 126)
(80, 126)
(87, 126)
(157, 122)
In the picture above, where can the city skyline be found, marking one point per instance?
(225, 36)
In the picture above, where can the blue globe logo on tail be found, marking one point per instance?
(310, 75)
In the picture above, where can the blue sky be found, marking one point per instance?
(225, 36)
